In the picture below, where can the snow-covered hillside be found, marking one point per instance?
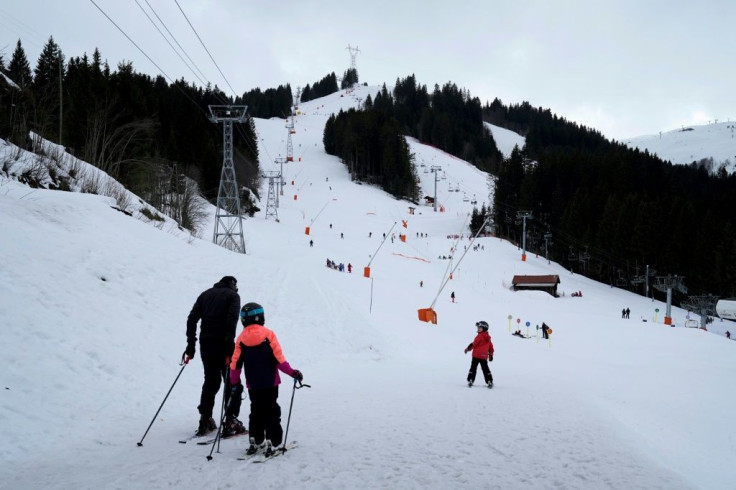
(94, 304)
(506, 139)
(692, 144)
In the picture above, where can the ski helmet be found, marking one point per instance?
(482, 324)
(252, 313)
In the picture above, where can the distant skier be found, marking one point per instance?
(545, 330)
(350, 268)
(452, 296)
(482, 348)
(628, 312)
(728, 334)
(218, 308)
(259, 354)
(311, 243)
(623, 313)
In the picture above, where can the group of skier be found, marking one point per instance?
(256, 351)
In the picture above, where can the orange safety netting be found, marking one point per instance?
(415, 258)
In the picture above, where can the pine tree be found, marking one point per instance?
(46, 73)
(48, 70)
(349, 78)
(19, 70)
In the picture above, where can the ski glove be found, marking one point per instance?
(297, 375)
(490, 357)
(190, 351)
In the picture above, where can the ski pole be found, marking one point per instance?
(291, 404)
(223, 412)
(183, 364)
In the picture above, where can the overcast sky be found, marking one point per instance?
(625, 67)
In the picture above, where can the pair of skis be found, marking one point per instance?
(206, 440)
(276, 452)
(209, 439)
(470, 384)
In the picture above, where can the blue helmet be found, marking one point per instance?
(252, 313)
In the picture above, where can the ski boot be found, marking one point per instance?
(470, 384)
(490, 383)
(269, 449)
(253, 448)
(206, 425)
(232, 427)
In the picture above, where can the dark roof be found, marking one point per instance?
(550, 280)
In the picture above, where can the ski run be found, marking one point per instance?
(94, 306)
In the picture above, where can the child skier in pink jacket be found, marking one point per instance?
(482, 348)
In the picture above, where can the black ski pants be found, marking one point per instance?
(483, 366)
(265, 416)
(214, 354)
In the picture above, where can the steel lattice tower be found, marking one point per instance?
(353, 53)
(228, 220)
(271, 200)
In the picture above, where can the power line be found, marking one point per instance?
(240, 130)
(167, 40)
(134, 44)
(175, 40)
(217, 95)
(205, 48)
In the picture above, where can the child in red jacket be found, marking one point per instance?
(482, 348)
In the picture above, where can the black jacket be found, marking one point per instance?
(218, 308)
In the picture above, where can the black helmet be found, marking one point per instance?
(483, 325)
(252, 313)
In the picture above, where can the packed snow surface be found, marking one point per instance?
(693, 143)
(94, 304)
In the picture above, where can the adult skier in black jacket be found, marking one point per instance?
(218, 308)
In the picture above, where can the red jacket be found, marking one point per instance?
(482, 346)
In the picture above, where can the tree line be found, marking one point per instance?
(612, 210)
(131, 125)
(371, 142)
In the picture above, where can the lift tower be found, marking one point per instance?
(435, 169)
(228, 221)
(668, 283)
(272, 199)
